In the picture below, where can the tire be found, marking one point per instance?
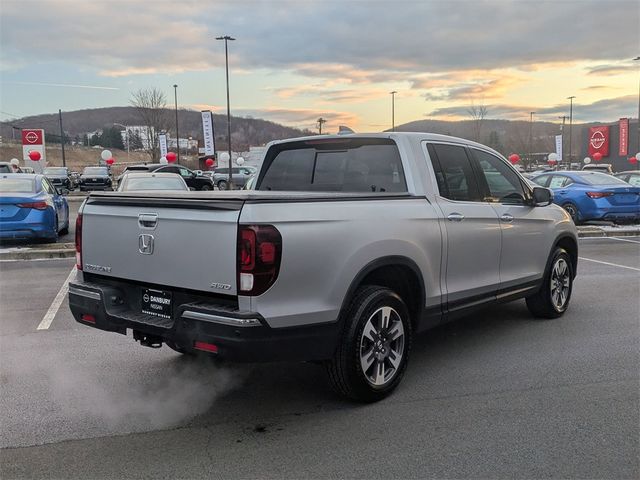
(54, 239)
(222, 185)
(348, 373)
(572, 210)
(206, 188)
(552, 300)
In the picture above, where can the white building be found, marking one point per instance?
(139, 131)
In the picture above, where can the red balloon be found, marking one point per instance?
(633, 160)
(209, 162)
(35, 155)
(110, 161)
(514, 158)
(597, 156)
(171, 157)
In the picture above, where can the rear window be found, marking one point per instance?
(349, 165)
(25, 185)
(595, 178)
(154, 183)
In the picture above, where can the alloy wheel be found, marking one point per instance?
(382, 346)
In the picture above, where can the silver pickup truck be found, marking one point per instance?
(348, 246)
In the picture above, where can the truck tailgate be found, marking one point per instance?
(173, 242)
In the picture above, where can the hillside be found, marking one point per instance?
(245, 132)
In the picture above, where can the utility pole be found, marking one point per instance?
(226, 39)
(320, 122)
(563, 117)
(530, 136)
(570, 125)
(175, 92)
(393, 110)
(64, 160)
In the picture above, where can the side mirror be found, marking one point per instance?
(542, 197)
(58, 192)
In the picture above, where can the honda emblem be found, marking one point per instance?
(145, 244)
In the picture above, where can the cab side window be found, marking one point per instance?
(454, 173)
(503, 183)
(46, 186)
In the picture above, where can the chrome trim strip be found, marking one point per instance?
(207, 317)
(84, 293)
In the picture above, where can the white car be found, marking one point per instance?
(135, 181)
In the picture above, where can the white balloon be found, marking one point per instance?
(240, 161)
(224, 157)
(106, 155)
(638, 156)
(164, 160)
(15, 161)
(587, 160)
(553, 157)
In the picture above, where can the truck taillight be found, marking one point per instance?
(79, 242)
(259, 253)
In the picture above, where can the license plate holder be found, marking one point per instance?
(156, 302)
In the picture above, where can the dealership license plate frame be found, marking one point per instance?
(158, 303)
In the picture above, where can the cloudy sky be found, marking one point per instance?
(294, 61)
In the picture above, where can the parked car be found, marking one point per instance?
(598, 167)
(588, 195)
(59, 177)
(632, 177)
(95, 178)
(348, 247)
(191, 178)
(31, 208)
(239, 176)
(137, 181)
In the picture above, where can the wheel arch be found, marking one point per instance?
(400, 274)
(570, 244)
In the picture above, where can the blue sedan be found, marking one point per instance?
(592, 195)
(31, 208)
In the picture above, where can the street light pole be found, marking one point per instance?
(64, 160)
(226, 39)
(638, 124)
(175, 96)
(530, 135)
(321, 121)
(570, 126)
(393, 110)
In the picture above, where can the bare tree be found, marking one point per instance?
(150, 105)
(477, 114)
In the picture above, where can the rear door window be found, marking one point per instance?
(341, 165)
(454, 173)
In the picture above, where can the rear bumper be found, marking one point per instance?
(37, 224)
(237, 336)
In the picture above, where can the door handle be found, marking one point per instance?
(507, 217)
(148, 220)
(455, 217)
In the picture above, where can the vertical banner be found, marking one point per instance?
(162, 138)
(207, 130)
(599, 141)
(624, 137)
(559, 147)
(33, 141)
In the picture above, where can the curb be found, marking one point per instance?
(600, 233)
(38, 254)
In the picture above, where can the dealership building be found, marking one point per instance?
(616, 142)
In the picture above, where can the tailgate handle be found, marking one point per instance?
(148, 220)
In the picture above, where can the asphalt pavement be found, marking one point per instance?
(498, 395)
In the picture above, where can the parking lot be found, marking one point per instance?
(499, 395)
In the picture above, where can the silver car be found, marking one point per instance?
(239, 175)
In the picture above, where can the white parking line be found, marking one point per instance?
(55, 305)
(624, 239)
(611, 264)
